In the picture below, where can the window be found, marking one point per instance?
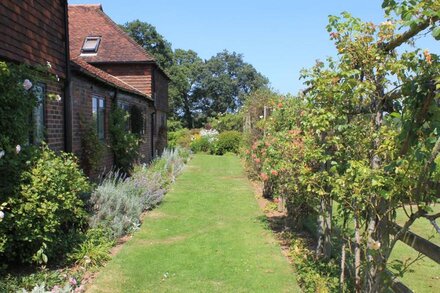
(98, 111)
(39, 90)
(91, 45)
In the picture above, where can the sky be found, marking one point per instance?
(278, 37)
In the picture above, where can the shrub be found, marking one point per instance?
(314, 275)
(118, 202)
(46, 210)
(200, 144)
(116, 206)
(125, 145)
(92, 148)
(228, 141)
(149, 185)
(227, 122)
(179, 138)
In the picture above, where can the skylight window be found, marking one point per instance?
(91, 45)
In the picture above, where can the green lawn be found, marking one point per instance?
(205, 237)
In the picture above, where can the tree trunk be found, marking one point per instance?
(342, 277)
(324, 248)
(187, 111)
(378, 234)
(357, 254)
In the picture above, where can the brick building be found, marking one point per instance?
(101, 44)
(97, 66)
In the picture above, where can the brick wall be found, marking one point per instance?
(136, 75)
(32, 32)
(54, 115)
(161, 87)
(82, 90)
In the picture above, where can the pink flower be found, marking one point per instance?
(264, 177)
(72, 281)
(257, 160)
(274, 172)
(27, 84)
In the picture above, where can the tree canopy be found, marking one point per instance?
(154, 43)
(199, 89)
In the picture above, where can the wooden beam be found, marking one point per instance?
(418, 243)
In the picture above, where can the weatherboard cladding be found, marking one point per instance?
(103, 76)
(33, 32)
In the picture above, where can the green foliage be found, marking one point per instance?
(154, 43)
(125, 145)
(116, 206)
(201, 144)
(227, 122)
(118, 202)
(204, 89)
(17, 105)
(179, 138)
(226, 79)
(46, 211)
(185, 77)
(92, 149)
(314, 275)
(364, 134)
(228, 141)
(17, 101)
(94, 250)
(46, 279)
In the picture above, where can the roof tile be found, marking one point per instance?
(116, 46)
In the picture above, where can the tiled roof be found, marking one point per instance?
(92, 71)
(116, 46)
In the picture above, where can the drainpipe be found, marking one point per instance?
(153, 120)
(68, 107)
(113, 107)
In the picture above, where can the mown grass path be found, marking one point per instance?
(206, 237)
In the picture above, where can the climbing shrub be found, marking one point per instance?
(92, 149)
(125, 145)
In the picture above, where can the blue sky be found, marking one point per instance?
(278, 37)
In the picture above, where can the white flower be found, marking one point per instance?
(387, 23)
(373, 245)
(57, 98)
(261, 117)
(57, 77)
(2, 215)
(27, 84)
(2, 154)
(48, 64)
(18, 148)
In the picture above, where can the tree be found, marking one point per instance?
(154, 43)
(226, 79)
(185, 80)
